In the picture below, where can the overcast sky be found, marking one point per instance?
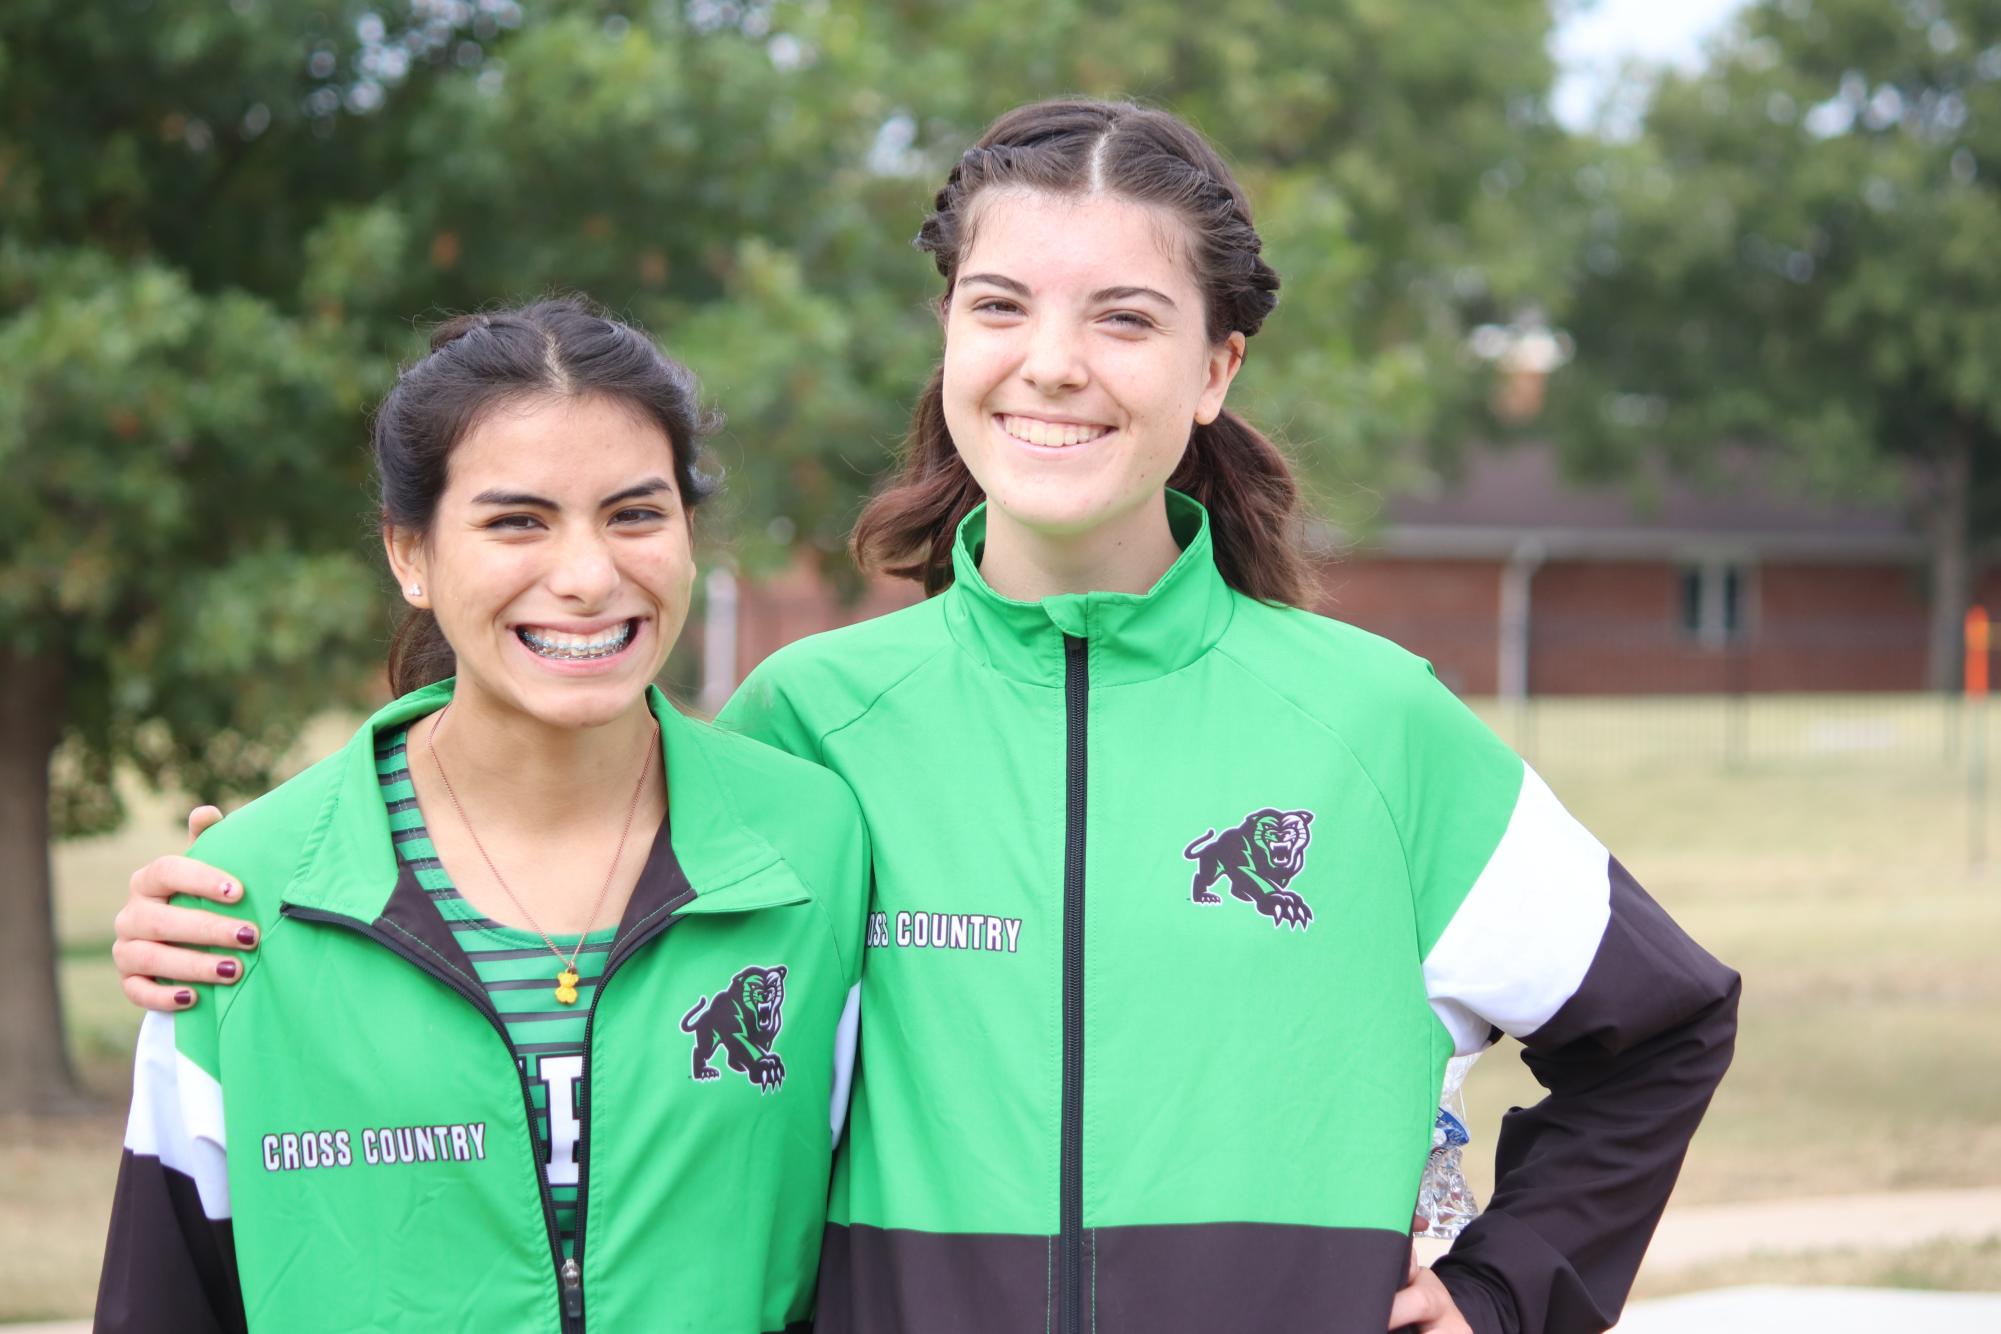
(1590, 47)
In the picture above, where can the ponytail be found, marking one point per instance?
(418, 654)
(906, 530)
(1248, 487)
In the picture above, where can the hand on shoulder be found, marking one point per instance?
(161, 946)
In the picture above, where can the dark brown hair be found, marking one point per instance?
(1079, 147)
(564, 347)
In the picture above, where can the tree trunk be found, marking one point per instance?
(34, 1063)
(1951, 573)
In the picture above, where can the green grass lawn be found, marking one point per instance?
(1840, 889)
(1828, 863)
(1957, 1266)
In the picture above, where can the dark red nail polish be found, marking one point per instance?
(184, 997)
(228, 968)
(246, 936)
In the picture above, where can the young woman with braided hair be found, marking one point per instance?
(1183, 894)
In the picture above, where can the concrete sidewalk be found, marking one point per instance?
(1821, 1310)
(1703, 1233)
(1699, 1234)
(1692, 1235)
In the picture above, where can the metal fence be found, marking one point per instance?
(1634, 684)
(1745, 729)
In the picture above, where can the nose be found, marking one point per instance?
(584, 571)
(1053, 362)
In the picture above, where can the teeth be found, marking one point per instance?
(1054, 435)
(568, 647)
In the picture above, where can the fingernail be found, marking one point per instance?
(246, 936)
(228, 968)
(184, 997)
(230, 889)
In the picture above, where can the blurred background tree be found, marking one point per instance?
(1801, 256)
(224, 224)
(181, 570)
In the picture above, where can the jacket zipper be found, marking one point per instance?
(568, 1272)
(1070, 1206)
(572, 1272)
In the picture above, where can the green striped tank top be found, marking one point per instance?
(519, 974)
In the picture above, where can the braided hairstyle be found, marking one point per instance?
(1080, 147)
(564, 347)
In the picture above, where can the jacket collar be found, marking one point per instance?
(1130, 636)
(705, 850)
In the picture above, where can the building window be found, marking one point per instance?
(1713, 602)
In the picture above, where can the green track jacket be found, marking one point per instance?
(1182, 902)
(341, 1142)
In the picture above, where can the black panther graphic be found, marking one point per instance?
(1260, 857)
(743, 1020)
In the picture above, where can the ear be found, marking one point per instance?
(943, 310)
(407, 562)
(1225, 360)
(780, 970)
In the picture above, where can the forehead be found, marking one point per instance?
(559, 444)
(1058, 241)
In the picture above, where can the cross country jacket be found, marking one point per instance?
(1182, 902)
(342, 1140)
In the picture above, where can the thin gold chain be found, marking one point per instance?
(632, 808)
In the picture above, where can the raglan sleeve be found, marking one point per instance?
(762, 709)
(1529, 927)
(170, 1259)
(848, 915)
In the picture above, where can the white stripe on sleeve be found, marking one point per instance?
(177, 1114)
(1526, 933)
(845, 1034)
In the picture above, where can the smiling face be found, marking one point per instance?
(559, 562)
(1076, 365)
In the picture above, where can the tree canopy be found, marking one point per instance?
(1798, 255)
(224, 224)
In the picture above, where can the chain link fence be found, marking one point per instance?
(1902, 729)
(1611, 689)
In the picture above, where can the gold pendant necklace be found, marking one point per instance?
(567, 979)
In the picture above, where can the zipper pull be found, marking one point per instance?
(572, 1275)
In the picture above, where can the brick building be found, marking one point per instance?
(1514, 581)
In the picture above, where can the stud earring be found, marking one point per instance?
(416, 590)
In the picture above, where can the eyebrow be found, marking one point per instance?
(1103, 294)
(650, 487)
(996, 280)
(1128, 293)
(495, 496)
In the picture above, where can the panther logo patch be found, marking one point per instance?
(743, 1020)
(1259, 857)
